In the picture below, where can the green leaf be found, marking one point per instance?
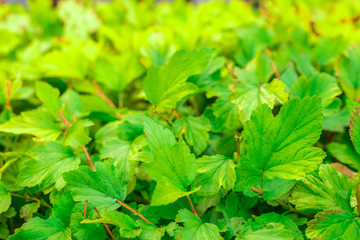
(194, 228)
(150, 231)
(28, 210)
(227, 114)
(121, 153)
(76, 136)
(39, 229)
(348, 72)
(237, 205)
(335, 224)
(5, 198)
(128, 227)
(48, 95)
(281, 146)
(355, 128)
(78, 20)
(49, 162)
(100, 188)
(196, 131)
(91, 231)
(213, 173)
(254, 88)
(116, 72)
(282, 219)
(326, 190)
(37, 122)
(173, 166)
(63, 207)
(276, 187)
(320, 84)
(345, 154)
(68, 63)
(166, 85)
(272, 231)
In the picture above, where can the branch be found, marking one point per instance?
(192, 206)
(91, 165)
(85, 208)
(231, 71)
(132, 210)
(8, 94)
(42, 202)
(106, 227)
(102, 95)
(64, 118)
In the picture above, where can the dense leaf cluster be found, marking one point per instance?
(156, 120)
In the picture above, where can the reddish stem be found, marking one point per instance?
(106, 227)
(102, 95)
(153, 113)
(132, 210)
(231, 71)
(192, 206)
(85, 208)
(64, 118)
(89, 159)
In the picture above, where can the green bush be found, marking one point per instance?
(158, 120)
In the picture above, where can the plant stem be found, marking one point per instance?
(262, 179)
(231, 71)
(8, 94)
(132, 210)
(91, 165)
(101, 94)
(283, 204)
(85, 208)
(64, 118)
(276, 71)
(163, 117)
(42, 202)
(106, 227)
(192, 206)
(176, 114)
(153, 113)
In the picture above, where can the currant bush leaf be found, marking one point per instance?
(213, 173)
(326, 190)
(194, 228)
(271, 231)
(37, 228)
(89, 231)
(349, 77)
(173, 166)
(38, 123)
(166, 85)
(345, 153)
(254, 89)
(76, 136)
(100, 188)
(48, 95)
(320, 84)
(281, 146)
(5, 198)
(335, 224)
(128, 227)
(48, 163)
(196, 130)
